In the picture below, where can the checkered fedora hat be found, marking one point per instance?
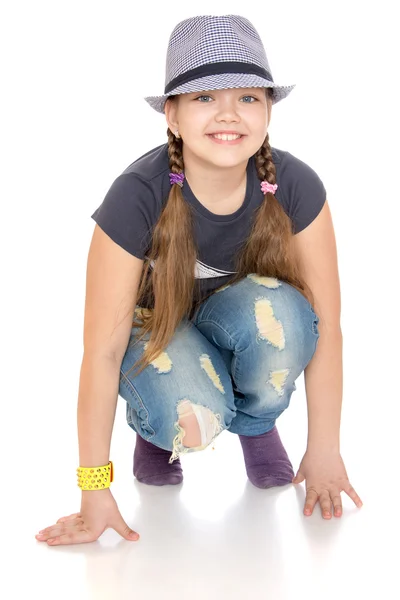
(214, 53)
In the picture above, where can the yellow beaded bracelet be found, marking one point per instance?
(95, 478)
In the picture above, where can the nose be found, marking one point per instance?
(227, 110)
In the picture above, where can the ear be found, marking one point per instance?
(171, 114)
(269, 104)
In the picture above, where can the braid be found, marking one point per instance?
(170, 284)
(263, 159)
(175, 153)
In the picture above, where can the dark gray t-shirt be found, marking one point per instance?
(133, 204)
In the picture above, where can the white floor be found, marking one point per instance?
(215, 535)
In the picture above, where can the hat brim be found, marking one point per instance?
(220, 82)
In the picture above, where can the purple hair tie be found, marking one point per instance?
(176, 178)
(268, 187)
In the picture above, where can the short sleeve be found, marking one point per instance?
(302, 191)
(128, 213)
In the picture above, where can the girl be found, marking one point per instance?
(212, 262)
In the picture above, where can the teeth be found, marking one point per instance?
(225, 136)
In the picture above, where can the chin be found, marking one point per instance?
(225, 157)
(228, 161)
(220, 156)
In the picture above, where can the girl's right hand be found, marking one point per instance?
(99, 512)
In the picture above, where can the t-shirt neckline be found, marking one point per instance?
(191, 198)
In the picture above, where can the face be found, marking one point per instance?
(199, 115)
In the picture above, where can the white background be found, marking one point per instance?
(73, 78)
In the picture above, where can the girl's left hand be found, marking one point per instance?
(326, 478)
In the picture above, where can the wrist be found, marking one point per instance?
(95, 478)
(98, 497)
(93, 493)
(318, 446)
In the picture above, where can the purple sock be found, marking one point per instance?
(266, 460)
(150, 464)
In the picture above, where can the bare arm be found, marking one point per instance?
(97, 402)
(112, 282)
(323, 379)
(316, 248)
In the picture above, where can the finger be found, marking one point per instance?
(71, 523)
(52, 532)
(337, 504)
(325, 502)
(298, 478)
(311, 500)
(62, 524)
(350, 491)
(73, 516)
(125, 531)
(62, 520)
(73, 537)
(59, 529)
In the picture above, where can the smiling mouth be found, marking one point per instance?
(227, 137)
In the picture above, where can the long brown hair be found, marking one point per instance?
(268, 251)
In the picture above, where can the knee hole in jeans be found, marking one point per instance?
(198, 425)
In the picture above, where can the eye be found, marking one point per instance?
(205, 96)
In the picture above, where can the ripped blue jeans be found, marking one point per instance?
(233, 366)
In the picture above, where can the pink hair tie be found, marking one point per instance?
(268, 187)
